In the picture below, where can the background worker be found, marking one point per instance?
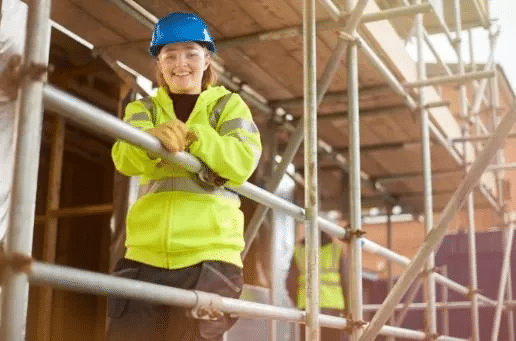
(183, 232)
(332, 283)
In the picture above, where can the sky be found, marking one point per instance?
(504, 14)
(505, 53)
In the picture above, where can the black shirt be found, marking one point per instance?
(183, 104)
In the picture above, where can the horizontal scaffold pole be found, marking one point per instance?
(94, 118)
(100, 121)
(435, 236)
(451, 79)
(78, 280)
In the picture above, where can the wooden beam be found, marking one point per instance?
(50, 234)
(73, 212)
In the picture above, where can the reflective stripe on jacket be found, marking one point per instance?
(330, 289)
(178, 220)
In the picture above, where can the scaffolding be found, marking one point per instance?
(23, 270)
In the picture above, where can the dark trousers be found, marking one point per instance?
(137, 320)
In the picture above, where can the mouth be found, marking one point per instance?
(181, 74)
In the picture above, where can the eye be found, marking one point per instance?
(192, 54)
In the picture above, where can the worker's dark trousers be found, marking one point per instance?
(134, 320)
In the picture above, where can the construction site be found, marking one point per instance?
(401, 153)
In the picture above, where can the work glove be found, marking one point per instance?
(174, 135)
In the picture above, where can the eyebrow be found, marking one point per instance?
(173, 48)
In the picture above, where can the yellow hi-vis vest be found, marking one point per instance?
(179, 221)
(330, 289)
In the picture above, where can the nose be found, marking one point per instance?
(181, 60)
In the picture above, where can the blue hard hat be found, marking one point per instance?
(178, 27)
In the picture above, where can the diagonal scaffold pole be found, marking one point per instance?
(297, 136)
(434, 237)
(89, 116)
(15, 295)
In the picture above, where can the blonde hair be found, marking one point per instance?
(209, 76)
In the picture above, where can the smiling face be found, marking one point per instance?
(182, 66)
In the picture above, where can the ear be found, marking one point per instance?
(207, 61)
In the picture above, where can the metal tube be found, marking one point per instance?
(472, 257)
(490, 65)
(355, 15)
(390, 78)
(431, 319)
(100, 121)
(20, 233)
(458, 49)
(510, 313)
(399, 177)
(409, 302)
(499, 175)
(101, 284)
(478, 138)
(377, 249)
(422, 306)
(509, 239)
(355, 248)
(322, 25)
(297, 137)
(461, 289)
(90, 282)
(438, 231)
(463, 112)
(436, 54)
(396, 12)
(310, 162)
(451, 79)
(390, 279)
(446, 305)
(331, 8)
(398, 88)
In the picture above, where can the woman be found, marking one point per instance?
(185, 230)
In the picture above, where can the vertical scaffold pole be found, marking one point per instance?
(445, 312)
(355, 246)
(431, 319)
(20, 233)
(472, 257)
(509, 238)
(310, 162)
(499, 174)
(463, 112)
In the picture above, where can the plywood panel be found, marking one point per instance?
(78, 21)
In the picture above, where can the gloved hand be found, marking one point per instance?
(174, 135)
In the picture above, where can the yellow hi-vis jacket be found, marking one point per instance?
(330, 290)
(178, 221)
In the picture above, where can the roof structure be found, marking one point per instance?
(259, 48)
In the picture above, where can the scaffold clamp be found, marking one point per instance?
(470, 294)
(429, 271)
(349, 37)
(353, 233)
(15, 262)
(351, 324)
(431, 337)
(207, 307)
(16, 72)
